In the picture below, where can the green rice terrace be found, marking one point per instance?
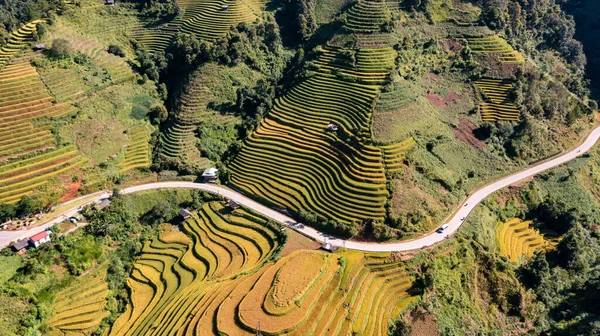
(316, 171)
(205, 19)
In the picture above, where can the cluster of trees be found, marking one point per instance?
(26, 206)
(157, 9)
(585, 15)
(567, 280)
(329, 226)
(258, 45)
(538, 22)
(302, 16)
(13, 13)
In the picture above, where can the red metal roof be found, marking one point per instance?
(39, 236)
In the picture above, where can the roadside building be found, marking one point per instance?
(39, 238)
(233, 204)
(20, 246)
(185, 213)
(210, 175)
(329, 247)
(103, 204)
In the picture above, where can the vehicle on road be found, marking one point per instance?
(442, 228)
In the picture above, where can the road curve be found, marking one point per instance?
(453, 223)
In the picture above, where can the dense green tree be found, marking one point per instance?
(61, 48)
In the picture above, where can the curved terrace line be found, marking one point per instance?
(454, 222)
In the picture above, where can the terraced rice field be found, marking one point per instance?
(178, 273)
(497, 105)
(64, 84)
(393, 155)
(21, 177)
(179, 140)
(80, 308)
(23, 97)
(516, 238)
(368, 16)
(495, 45)
(293, 161)
(205, 19)
(117, 70)
(138, 151)
(18, 40)
(208, 280)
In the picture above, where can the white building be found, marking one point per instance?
(39, 238)
(210, 175)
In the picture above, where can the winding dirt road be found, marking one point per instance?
(454, 222)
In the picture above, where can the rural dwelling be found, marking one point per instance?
(233, 204)
(39, 238)
(185, 213)
(20, 246)
(210, 175)
(109, 2)
(39, 47)
(103, 204)
(332, 127)
(329, 247)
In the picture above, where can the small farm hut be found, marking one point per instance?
(185, 213)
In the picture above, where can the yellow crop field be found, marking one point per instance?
(18, 40)
(296, 158)
(296, 277)
(206, 20)
(498, 45)
(138, 151)
(517, 238)
(394, 154)
(497, 105)
(307, 292)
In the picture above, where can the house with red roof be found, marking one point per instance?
(39, 238)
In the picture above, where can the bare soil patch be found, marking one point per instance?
(464, 133)
(422, 323)
(297, 241)
(71, 192)
(441, 101)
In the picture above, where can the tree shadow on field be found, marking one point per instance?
(325, 33)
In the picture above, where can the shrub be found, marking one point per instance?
(61, 48)
(41, 30)
(158, 113)
(116, 50)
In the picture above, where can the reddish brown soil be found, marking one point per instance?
(464, 133)
(440, 101)
(71, 192)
